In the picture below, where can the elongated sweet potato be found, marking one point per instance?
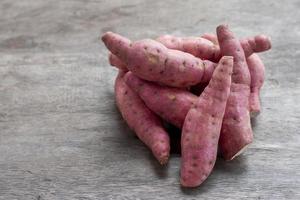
(152, 61)
(202, 125)
(257, 72)
(147, 126)
(250, 45)
(256, 44)
(206, 46)
(171, 104)
(115, 61)
(255, 65)
(211, 37)
(236, 132)
(197, 46)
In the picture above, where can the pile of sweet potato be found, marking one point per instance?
(206, 86)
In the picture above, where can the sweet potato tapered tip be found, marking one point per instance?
(202, 126)
(236, 132)
(147, 126)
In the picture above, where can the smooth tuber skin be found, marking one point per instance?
(257, 72)
(206, 46)
(116, 62)
(211, 37)
(262, 43)
(147, 126)
(236, 132)
(197, 46)
(202, 125)
(255, 44)
(152, 61)
(171, 104)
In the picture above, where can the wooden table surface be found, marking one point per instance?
(61, 136)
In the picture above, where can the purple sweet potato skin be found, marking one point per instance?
(147, 126)
(209, 70)
(117, 44)
(197, 46)
(198, 88)
(206, 46)
(211, 37)
(201, 129)
(236, 130)
(152, 61)
(171, 104)
(116, 62)
(257, 72)
(255, 44)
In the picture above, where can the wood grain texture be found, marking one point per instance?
(61, 136)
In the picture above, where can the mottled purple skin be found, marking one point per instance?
(147, 126)
(152, 61)
(211, 37)
(198, 88)
(209, 70)
(250, 45)
(171, 104)
(206, 46)
(202, 126)
(197, 46)
(256, 44)
(236, 132)
(116, 62)
(257, 72)
(262, 43)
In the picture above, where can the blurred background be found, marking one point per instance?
(61, 136)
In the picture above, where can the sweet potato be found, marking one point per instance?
(147, 126)
(198, 89)
(211, 37)
(171, 104)
(255, 44)
(152, 61)
(250, 45)
(257, 72)
(202, 125)
(255, 66)
(206, 46)
(116, 62)
(236, 132)
(197, 46)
